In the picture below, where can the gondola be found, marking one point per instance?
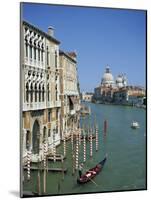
(91, 173)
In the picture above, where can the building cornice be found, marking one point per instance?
(67, 56)
(25, 23)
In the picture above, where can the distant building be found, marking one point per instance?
(110, 91)
(87, 96)
(130, 95)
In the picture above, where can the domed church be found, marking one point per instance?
(117, 91)
(107, 79)
(121, 81)
(108, 86)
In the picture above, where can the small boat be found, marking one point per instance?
(134, 125)
(91, 173)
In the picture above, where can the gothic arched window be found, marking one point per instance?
(35, 92)
(39, 93)
(48, 92)
(43, 93)
(30, 49)
(27, 92)
(55, 58)
(38, 52)
(26, 48)
(34, 50)
(47, 56)
(42, 52)
(31, 92)
(56, 93)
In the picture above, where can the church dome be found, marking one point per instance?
(119, 79)
(107, 78)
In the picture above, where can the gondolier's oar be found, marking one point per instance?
(93, 181)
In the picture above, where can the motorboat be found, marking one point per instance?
(135, 125)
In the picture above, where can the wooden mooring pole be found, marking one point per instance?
(64, 145)
(91, 144)
(84, 147)
(54, 148)
(62, 162)
(105, 127)
(77, 153)
(45, 165)
(38, 179)
(28, 164)
(96, 137)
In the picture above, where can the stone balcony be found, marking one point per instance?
(32, 62)
(53, 104)
(41, 105)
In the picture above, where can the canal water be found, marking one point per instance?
(125, 168)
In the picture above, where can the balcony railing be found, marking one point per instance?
(41, 105)
(34, 106)
(32, 62)
(52, 104)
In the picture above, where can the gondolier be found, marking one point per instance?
(80, 169)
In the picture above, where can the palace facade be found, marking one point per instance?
(70, 98)
(45, 91)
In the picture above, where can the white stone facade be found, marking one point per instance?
(41, 102)
(70, 113)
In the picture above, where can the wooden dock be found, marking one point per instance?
(55, 169)
(57, 158)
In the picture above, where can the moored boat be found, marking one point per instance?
(134, 125)
(91, 173)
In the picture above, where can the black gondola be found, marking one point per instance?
(91, 173)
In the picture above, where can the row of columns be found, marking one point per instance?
(41, 96)
(45, 91)
(40, 54)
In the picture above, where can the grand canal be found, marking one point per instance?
(125, 168)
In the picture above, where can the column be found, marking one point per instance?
(36, 55)
(28, 57)
(32, 54)
(40, 58)
(33, 94)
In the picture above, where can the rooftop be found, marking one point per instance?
(25, 23)
(68, 55)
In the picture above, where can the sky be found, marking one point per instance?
(99, 36)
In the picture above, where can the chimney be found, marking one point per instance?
(51, 31)
(72, 54)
